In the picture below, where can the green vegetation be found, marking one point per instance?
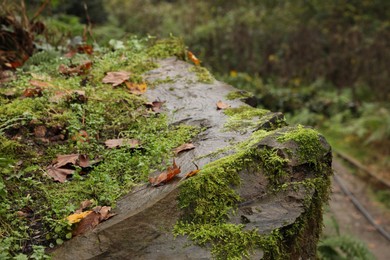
(209, 199)
(242, 118)
(77, 114)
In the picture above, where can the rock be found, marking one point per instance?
(283, 174)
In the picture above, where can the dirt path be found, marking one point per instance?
(350, 220)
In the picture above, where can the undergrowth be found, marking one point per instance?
(33, 207)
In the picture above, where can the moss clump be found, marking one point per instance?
(310, 149)
(209, 198)
(168, 47)
(239, 94)
(242, 118)
(202, 74)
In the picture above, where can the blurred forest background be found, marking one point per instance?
(322, 63)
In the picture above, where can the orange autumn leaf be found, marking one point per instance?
(165, 176)
(136, 88)
(191, 173)
(77, 217)
(193, 58)
(221, 105)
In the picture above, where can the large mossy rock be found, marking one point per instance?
(259, 193)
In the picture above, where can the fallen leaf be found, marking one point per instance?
(97, 215)
(32, 92)
(184, 147)
(60, 168)
(86, 48)
(105, 213)
(39, 83)
(113, 143)
(165, 176)
(77, 217)
(191, 173)
(87, 223)
(221, 105)
(75, 70)
(155, 105)
(83, 205)
(136, 88)
(58, 174)
(193, 58)
(116, 78)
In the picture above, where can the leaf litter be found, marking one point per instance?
(165, 176)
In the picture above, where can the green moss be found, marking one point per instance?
(168, 47)
(310, 149)
(203, 75)
(239, 94)
(106, 113)
(209, 198)
(242, 118)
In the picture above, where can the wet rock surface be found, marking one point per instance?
(142, 228)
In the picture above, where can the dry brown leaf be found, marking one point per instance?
(58, 174)
(83, 205)
(32, 92)
(184, 147)
(113, 143)
(221, 105)
(91, 220)
(62, 160)
(39, 83)
(165, 176)
(116, 78)
(75, 70)
(87, 223)
(155, 105)
(58, 171)
(136, 88)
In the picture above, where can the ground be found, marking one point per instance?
(350, 220)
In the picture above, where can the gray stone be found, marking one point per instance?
(142, 228)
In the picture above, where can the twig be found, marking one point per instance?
(89, 24)
(40, 10)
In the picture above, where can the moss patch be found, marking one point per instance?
(202, 74)
(309, 146)
(209, 198)
(239, 94)
(103, 112)
(242, 118)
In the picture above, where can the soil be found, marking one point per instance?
(350, 220)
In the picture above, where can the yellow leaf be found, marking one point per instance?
(77, 217)
(136, 88)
